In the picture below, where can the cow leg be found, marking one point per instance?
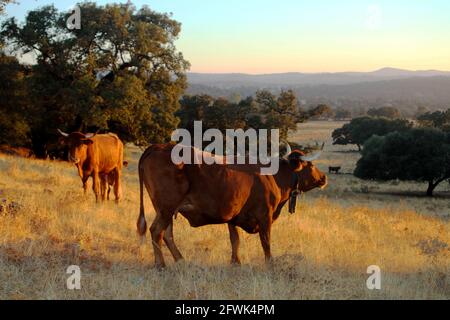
(264, 235)
(157, 230)
(117, 185)
(96, 185)
(169, 240)
(85, 184)
(103, 186)
(234, 238)
(109, 191)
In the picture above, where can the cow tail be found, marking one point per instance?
(141, 223)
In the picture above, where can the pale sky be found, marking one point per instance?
(269, 36)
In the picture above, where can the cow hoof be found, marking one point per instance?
(236, 263)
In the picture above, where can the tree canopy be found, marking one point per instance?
(359, 130)
(13, 125)
(134, 48)
(265, 111)
(321, 112)
(438, 120)
(3, 4)
(412, 155)
(280, 112)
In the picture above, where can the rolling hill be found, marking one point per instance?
(232, 80)
(428, 87)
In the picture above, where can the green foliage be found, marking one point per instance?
(411, 155)
(386, 112)
(14, 129)
(3, 4)
(280, 112)
(265, 111)
(359, 130)
(438, 120)
(137, 100)
(421, 110)
(192, 109)
(322, 111)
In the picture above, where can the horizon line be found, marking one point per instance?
(318, 72)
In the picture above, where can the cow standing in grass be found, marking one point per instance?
(99, 156)
(237, 195)
(334, 170)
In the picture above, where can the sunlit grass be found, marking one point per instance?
(322, 252)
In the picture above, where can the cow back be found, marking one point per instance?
(107, 153)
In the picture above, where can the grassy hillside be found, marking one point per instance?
(322, 252)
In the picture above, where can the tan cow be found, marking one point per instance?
(97, 156)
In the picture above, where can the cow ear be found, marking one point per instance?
(87, 141)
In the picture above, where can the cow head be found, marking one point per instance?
(310, 177)
(78, 145)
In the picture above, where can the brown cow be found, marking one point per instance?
(334, 169)
(97, 156)
(237, 195)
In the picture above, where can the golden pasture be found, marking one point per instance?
(322, 252)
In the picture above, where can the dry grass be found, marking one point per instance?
(322, 252)
(348, 190)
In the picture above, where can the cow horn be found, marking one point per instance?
(311, 158)
(65, 135)
(288, 150)
(90, 135)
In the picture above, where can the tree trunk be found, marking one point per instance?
(431, 187)
(39, 148)
(40, 152)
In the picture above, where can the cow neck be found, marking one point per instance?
(290, 184)
(286, 179)
(87, 162)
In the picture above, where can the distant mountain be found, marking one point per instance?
(427, 90)
(433, 90)
(399, 73)
(283, 80)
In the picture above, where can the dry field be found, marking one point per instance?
(322, 252)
